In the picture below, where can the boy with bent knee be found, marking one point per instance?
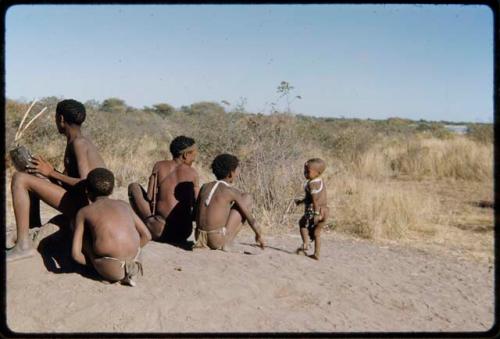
(316, 209)
(108, 233)
(221, 209)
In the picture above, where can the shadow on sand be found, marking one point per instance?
(55, 250)
(267, 246)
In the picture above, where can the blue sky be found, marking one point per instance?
(431, 62)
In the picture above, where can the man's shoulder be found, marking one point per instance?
(164, 165)
(186, 169)
(81, 142)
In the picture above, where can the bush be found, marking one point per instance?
(203, 107)
(163, 109)
(482, 133)
(114, 105)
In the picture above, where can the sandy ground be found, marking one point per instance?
(357, 286)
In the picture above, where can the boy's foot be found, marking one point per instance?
(313, 256)
(37, 234)
(16, 253)
(10, 239)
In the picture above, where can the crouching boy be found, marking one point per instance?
(108, 234)
(221, 209)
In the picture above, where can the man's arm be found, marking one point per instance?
(238, 199)
(47, 170)
(144, 233)
(76, 250)
(196, 183)
(153, 183)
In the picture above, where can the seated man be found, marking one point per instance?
(221, 209)
(63, 191)
(108, 232)
(166, 208)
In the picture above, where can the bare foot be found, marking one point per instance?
(18, 253)
(10, 239)
(314, 256)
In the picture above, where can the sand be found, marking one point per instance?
(357, 285)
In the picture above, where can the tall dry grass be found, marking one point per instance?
(380, 209)
(366, 160)
(429, 158)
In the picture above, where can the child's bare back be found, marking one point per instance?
(108, 232)
(221, 209)
(112, 228)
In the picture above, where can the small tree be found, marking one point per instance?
(92, 104)
(204, 107)
(163, 109)
(114, 105)
(284, 90)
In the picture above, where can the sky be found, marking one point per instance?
(432, 62)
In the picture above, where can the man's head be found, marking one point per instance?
(226, 166)
(100, 182)
(313, 168)
(184, 148)
(69, 112)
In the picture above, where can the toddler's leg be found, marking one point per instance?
(304, 234)
(317, 239)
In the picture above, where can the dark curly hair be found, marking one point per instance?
(179, 144)
(223, 164)
(73, 111)
(100, 182)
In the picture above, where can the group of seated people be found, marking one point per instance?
(109, 234)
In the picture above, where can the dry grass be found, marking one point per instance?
(429, 158)
(382, 209)
(381, 176)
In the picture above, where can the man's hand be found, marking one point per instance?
(40, 166)
(259, 241)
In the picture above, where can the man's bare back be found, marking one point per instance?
(88, 153)
(175, 184)
(166, 207)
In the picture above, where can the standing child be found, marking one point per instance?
(221, 209)
(316, 209)
(108, 233)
